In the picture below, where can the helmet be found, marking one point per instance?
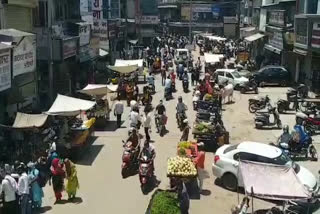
(285, 129)
(185, 121)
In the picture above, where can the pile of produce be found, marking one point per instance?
(165, 202)
(210, 97)
(185, 145)
(186, 148)
(181, 167)
(204, 127)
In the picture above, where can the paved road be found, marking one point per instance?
(102, 189)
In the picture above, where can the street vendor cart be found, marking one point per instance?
(76, 128)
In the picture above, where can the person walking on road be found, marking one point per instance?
(199, 162)
(118, 111)
(73, 182)
(185, 131)
(23, 190)
(36, 189)
(147, 124)
(58, 175)
(9, 187)
(163, 75)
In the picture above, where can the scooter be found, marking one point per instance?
(160, 123)
(145, 172)
(167, 94)
(185, 84)
(180, 118)
(263, 118)
(249, 86)
(258, 103)
(129, 159)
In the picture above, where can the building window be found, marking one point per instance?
(302, 31)
(312, 6)
(40, 14)
(300, 6)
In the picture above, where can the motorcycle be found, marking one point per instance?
(263, 118)
(151, 88)
(311, 124)
(168, 94)
(303, 148)
(258, 103)
(129, 159)
(249, 86)
(292, 97)
(185, 84)
(180, 118)
(160, 123)
(145, 172)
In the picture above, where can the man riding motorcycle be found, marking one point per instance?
(160, 113)
(148, 151)
(181, 111)
(185, 80)
(180, 71)
(167, 87)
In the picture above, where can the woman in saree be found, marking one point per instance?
(72, 177)
(58, 175)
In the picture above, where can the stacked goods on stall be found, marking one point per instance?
(189, 149)
(163, 201)
(203, 128)
(210, 97)
(181, 167)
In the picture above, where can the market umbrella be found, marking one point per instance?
(98, 89)
(124, 69)
(69, 106)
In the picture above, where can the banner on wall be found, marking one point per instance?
(5, 69)
(24, 56)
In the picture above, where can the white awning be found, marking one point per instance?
(167, 6)
(69, 106)
(254, 37)
(98, 89)
(134, 41)
(24, 121)
(212, 58)
(216, 38)
(248, 29)
(103, 52)
(272, 49)
(121, 62)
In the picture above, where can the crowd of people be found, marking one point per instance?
(22, 184)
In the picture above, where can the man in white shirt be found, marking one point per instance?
(118, 111)
(9, 188)
(147, 124)
(134, 118)
(23, 191)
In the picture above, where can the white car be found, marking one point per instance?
(232, 76)
(182, 56)
(226, 163)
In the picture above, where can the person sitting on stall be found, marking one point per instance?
(129, 91)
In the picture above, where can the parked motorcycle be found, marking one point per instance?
(145, 172)
(292, 98)
(160, 123)
(251, 85)
(129, 159)
(263, 118)
(258, 103)
(311, 124)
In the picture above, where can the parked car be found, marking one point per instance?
(182, 56)
(232, 76)
(272, 74)
(226, 163)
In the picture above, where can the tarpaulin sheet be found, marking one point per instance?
(275, 182)
(121, 62)
(124, 69)
(23, 120)
(212, 58)
(69, 106)
(98, 89)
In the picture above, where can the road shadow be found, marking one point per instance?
(218, 182)
(110, 126)
(76, 200)
(152, 185)
(42, 210)
(90, 155)
(268, 128)
(205, 192)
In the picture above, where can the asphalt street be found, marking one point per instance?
(103, 190)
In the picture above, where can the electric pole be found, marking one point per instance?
(50, 61)
(190, 23)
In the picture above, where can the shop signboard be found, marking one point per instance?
(185, 12)
(24, 55)
(84, 7)
(276, 40)
(301, 31)
(215, 10)
(276, 17)
(201, 8)
(315, 40)
(149, 20)
(69, 48)
(84, 34)
(5, 69)
(230, 20)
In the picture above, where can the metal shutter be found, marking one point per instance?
(19, 18)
